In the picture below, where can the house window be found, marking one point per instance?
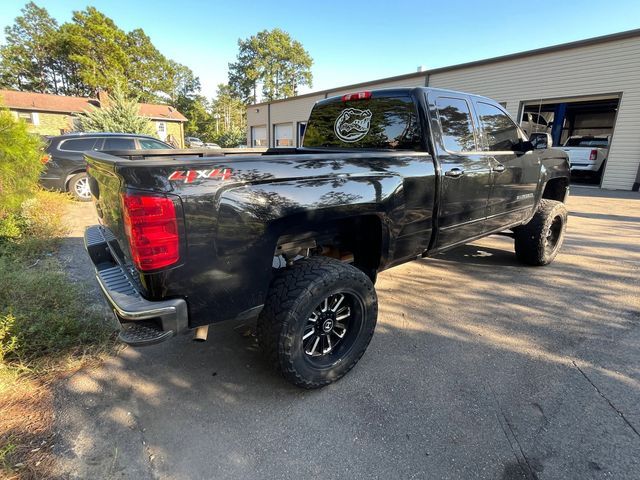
(26, 116)
(283, 135)
(161, 130)
(259, 136)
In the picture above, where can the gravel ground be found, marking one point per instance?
(479, 368)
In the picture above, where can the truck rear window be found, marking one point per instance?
(587, 142)
(377, 123)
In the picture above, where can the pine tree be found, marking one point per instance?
(121, 115)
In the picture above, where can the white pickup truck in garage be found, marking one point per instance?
(587, 154)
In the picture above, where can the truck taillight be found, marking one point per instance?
(151, 225)
(356, 96)
(594, 155)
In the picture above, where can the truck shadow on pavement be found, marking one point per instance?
(479, 368)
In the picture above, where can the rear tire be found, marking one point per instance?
(538, 242)
(78, 186)
(318, 320)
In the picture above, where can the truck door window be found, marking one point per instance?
(454, 116)
(500, 132)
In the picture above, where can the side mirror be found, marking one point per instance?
(541, 140)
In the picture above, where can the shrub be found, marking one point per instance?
(41, 216)
(231, 138)
(20, 167)
(121, 115)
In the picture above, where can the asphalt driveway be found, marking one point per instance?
(479, 368)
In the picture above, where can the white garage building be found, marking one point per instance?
(588, 87)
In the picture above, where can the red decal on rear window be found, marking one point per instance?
(188, 176)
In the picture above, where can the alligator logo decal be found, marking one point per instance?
(188, 176)
(352, 124)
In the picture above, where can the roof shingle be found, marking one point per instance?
(46, 102)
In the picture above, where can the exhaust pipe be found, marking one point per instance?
(201, 334)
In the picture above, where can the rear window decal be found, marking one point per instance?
(352, 124)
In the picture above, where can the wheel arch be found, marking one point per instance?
(70, 175)
(556, 189)
(361, 239)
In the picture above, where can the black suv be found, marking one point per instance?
(65, 162)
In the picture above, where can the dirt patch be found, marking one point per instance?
(27, 434)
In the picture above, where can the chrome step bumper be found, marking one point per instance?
(143, 322)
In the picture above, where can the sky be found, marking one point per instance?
(353, 41)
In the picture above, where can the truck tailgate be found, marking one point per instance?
(578, 154)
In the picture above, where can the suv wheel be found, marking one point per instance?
(318, 320)
(78, 186)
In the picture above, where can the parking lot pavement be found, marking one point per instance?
(479, 368)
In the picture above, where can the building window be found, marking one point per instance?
(302, 126)
(26, 116)
(283, 135)
(161, 130)
(259, 136)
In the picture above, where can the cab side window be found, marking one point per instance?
(454, 116)
(500, 132)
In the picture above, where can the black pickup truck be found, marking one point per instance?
(296, 237)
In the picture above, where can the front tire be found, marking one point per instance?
(78, 186)
(538, 242)
(318, 320)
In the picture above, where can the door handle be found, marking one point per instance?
(454, 172)
(498, 168)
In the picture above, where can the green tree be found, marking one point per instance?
(228, 111)
(28, 55)
(98, 48)
(199, 118)
(120, 115)
(273, 60)
(231, 138)
(149, 73)
(181, 85)
(91, 53)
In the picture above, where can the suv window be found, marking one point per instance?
(500, 132)
(149, 144)
(119, 144)
(454, 116)
(388, 122)
(77, 144)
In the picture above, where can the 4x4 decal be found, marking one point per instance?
(188, 176)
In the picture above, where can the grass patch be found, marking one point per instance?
(44, 316)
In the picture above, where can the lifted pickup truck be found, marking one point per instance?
(296, 237)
